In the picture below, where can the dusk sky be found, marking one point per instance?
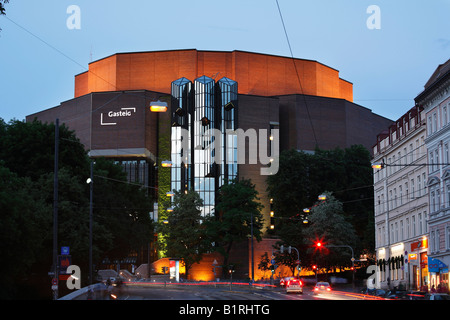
(388, 66)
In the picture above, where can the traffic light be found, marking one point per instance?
(318, 244)
(314, 268)
(272, 217)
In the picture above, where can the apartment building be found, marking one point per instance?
(401, 202)
(435, 100)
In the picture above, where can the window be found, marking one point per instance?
(432, 241)
(406, 191)
(446, 153)
(402, 234)
(412, 189)
(407, 228)
(392, 233)
(413, 226)
(430, 126)
(420, 223)
(438, 200)
(396, 232)
(447, 231)
(431, 157)
(444, 116)
(437, 241)
(447, 201)
(424, 181)
(411, 153)
(432, 200)
(436, 158)
(419, 192)
(435, 123)
(391, 201)
(395, 197)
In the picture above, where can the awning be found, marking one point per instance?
(434, 265)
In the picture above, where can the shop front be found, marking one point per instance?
(438, 271)
(418, 265)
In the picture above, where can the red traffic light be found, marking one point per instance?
(318, 244)
(314, 267)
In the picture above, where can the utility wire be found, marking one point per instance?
(296, 71)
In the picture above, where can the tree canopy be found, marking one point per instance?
(236, 205)
(302, 177)
(184, 236)
(121, 221)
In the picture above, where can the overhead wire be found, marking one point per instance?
(298, 76)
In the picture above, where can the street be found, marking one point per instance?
(134, 291)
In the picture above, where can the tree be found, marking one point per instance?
(23, 215)
(2, 6)
(121, 221)
(237, 203)
(184, 234)
(303, 176)
(329, 226)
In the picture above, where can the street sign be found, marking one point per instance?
(64, 262)
(65, 251)
(54, 284)
(272, 261)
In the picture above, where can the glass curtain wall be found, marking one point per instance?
(181, 122)
(200, 107)
(227, 104)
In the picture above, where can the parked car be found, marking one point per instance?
(416, 295)
(374, 292)
(396, 295)
(437, 296)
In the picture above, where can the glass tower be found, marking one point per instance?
(204, 156)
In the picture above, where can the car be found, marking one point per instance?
(396, 295)
(322, 287)
(294, 285)
(284, 281)
(437, 296)
(416, 295)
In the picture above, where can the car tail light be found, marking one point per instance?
(316, 289)
(328, 289)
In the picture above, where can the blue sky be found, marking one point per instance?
(40, 55)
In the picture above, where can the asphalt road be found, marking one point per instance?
(128, 292)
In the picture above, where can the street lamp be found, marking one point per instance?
(166, 164)
(353, 257)
(90, 181)
(158, 106)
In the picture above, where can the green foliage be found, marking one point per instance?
(184, 234)
(329, 225)
(23, 216)
(303, 176)
(236, 205)
(121, 221)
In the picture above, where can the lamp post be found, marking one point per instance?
(90, 181)
(382, 165)
(353, 258)
(55, 214)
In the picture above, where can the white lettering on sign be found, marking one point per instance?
(124, 112)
